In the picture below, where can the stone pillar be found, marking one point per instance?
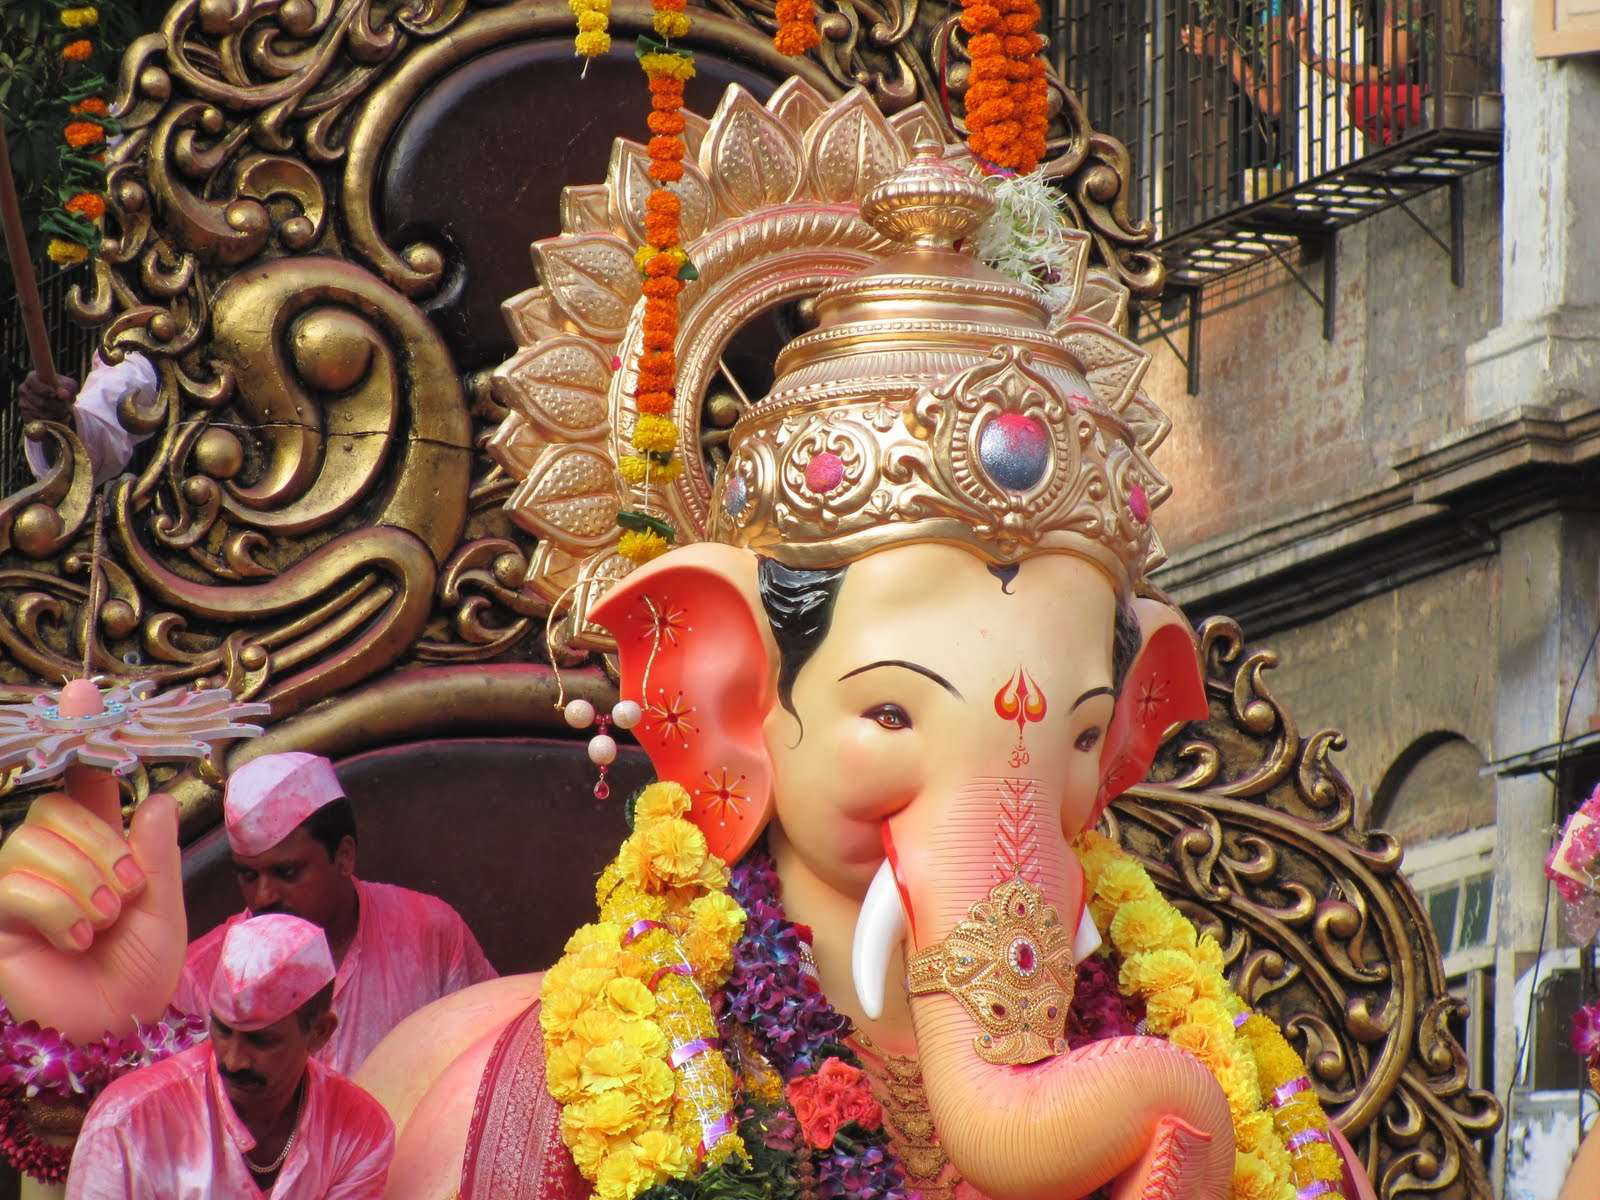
(1546, 350)
(1548, 606)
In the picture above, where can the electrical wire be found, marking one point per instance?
(1506, 1105)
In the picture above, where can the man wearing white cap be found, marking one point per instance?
(250, 1112)
(293, 837)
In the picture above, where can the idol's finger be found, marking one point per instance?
(29, 902)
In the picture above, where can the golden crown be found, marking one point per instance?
(932, 403)
(936, 399)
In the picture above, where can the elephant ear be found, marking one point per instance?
(698, 658)
(1164, 686)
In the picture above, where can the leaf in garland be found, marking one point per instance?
(93, 85)
(641, 522)
(72, 228)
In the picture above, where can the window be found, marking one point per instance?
(1454, 879)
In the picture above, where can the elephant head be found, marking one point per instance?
(913, 730)
(914, 653)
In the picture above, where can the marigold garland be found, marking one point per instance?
(665, 268)
(1007, 98)
(631, 1047)
(797, 27)
(1298, 1117)
(594, 18)
(1178, 974)
(74, 226)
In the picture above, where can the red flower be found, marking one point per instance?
(836, 1096)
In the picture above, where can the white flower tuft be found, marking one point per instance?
(1026, 237)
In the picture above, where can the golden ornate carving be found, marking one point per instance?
(1009, 964)
(1251, 830)
(780, 221)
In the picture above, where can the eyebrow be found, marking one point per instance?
(1090, 694)
(909, 666)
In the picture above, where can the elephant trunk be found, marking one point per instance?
(1060, 1129)
(1042, 1123)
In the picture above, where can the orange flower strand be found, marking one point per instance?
(84, 133)
(797, 27)
(88, 205)
(77, 51)
(94, 106)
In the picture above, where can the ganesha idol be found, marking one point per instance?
(863, 939)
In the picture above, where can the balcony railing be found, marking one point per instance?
(71, 346)
(1255, 122)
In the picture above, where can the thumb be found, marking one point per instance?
(153, 838)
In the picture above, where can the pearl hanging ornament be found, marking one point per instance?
(602, 753)
(602, 750)
(579, 714)
(625, 714)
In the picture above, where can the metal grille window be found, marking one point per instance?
(1253, 122)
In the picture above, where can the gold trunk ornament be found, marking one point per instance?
(1010, 966)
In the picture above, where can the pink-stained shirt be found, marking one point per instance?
(169, 1132)
(410, 949)
(94, 415)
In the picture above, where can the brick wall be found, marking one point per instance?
(1285, 422)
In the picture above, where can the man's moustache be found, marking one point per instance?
(242, 1078)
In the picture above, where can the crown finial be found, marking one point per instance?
(931, 204)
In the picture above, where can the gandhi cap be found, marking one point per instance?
(269, 967)
(270, 796)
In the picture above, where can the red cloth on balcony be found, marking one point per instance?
(1384, 111)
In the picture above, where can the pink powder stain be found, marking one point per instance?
(1139, 503)
(824, 472)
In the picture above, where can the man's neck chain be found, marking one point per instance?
(283, 1155)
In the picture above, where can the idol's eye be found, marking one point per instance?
(1088, 739)
(890, 716)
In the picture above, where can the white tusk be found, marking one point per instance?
(1088, 939)
(879, 930)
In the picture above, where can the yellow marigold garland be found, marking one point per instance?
(1178, 973)
(631, 1046)
(594, 19)
(1300, 1121)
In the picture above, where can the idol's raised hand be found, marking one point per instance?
(92, 931)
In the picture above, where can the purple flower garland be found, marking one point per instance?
(768, 991)
(771, 994)
(35, 1059)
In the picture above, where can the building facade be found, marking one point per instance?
(1386, 431)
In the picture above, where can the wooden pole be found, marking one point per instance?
(22, 268)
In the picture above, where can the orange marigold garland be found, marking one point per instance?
(797, 27)
(665, 267)
(1008, 97)
(662, 261)
(75, 225)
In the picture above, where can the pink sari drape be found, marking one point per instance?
(514, 1147)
